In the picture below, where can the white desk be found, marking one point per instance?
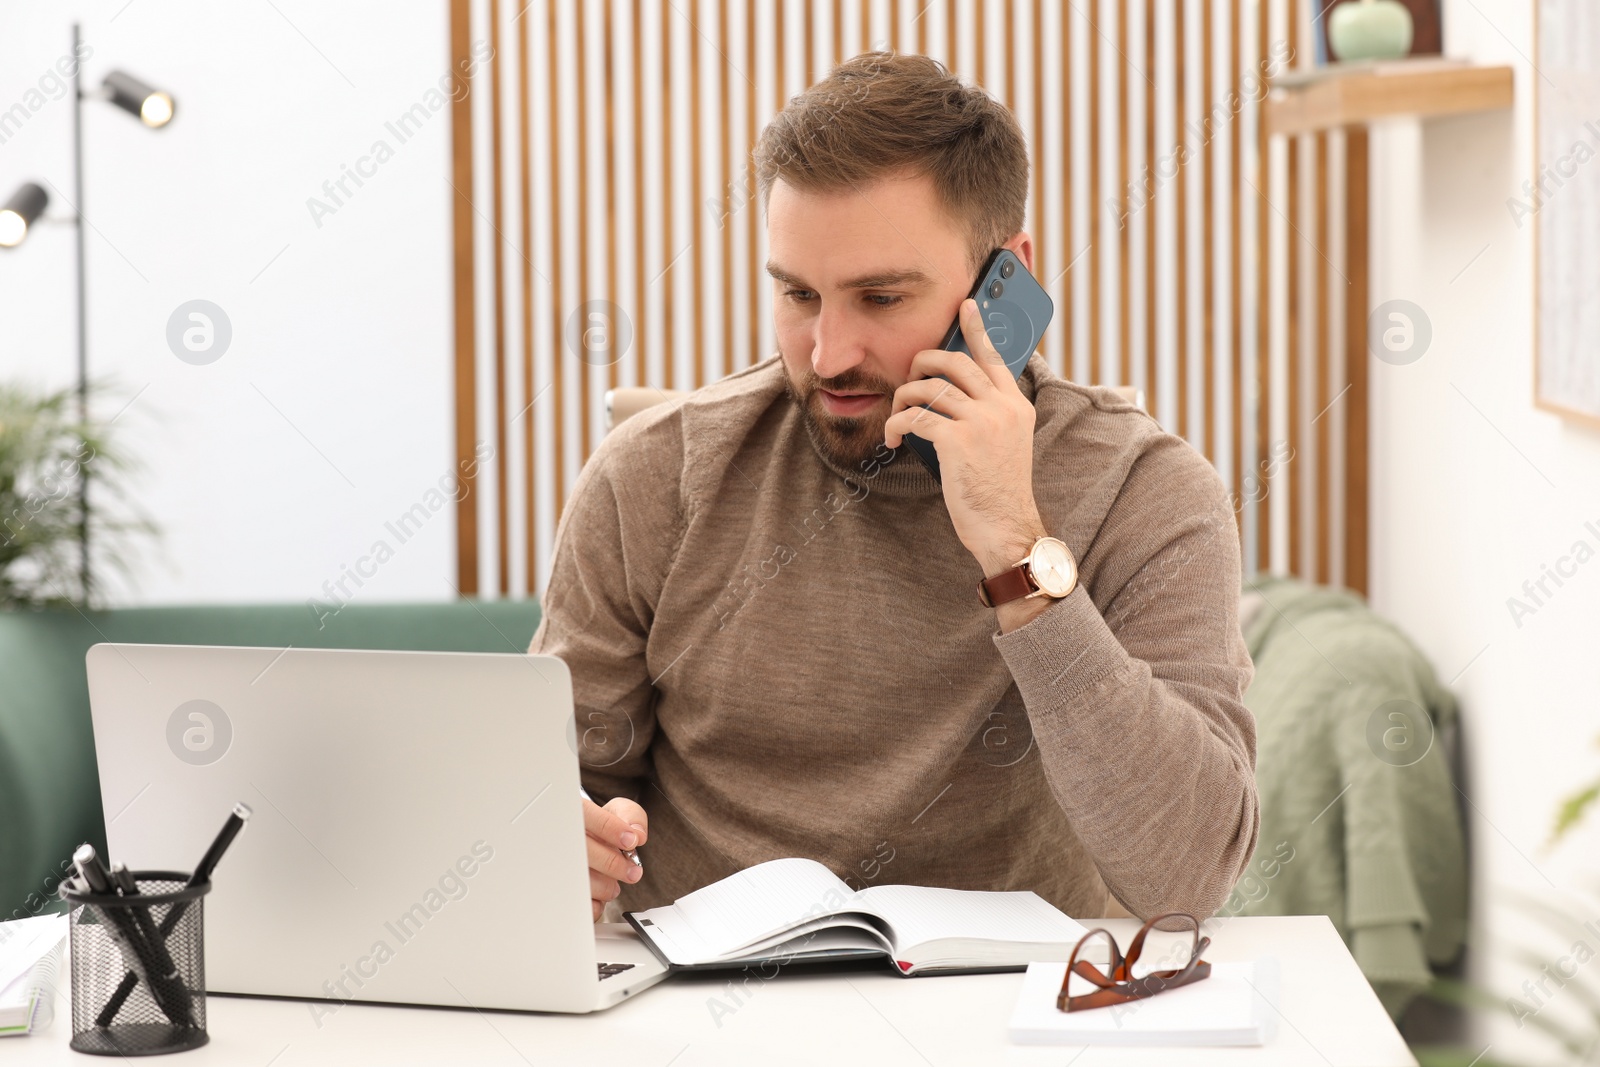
(1329, 1018)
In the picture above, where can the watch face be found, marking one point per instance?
(1052, 567)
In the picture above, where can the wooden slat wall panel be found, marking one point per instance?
(1186, 253)
(1262, 223)
(465, 382)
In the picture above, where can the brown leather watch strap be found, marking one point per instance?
(1006, 586)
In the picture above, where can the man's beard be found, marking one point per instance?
(847, 442)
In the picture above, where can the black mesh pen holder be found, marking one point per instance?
(138, 967)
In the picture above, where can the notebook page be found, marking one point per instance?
(722, 918)
(920, 914)
(871, 933)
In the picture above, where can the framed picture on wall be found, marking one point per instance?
(1561, 201)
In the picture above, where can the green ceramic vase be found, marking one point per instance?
(1369, 29)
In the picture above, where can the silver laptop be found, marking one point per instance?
(417, 835)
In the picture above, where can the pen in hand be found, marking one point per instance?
(632, 854)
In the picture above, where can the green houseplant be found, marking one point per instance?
(1573, 1037)
(1573, 808)
(46, 451)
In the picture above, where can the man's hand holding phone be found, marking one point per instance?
(984, 435)
(611, 833)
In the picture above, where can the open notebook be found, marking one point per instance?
(798, 910)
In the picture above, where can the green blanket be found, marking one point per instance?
(1359, 815)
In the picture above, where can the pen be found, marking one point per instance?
(230, 830)
(92, 870)
(162, 968)
(630, 853)
(127, 936)
(202, 873)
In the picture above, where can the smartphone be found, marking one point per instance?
(1016, 310)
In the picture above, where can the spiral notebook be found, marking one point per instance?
(30, 963)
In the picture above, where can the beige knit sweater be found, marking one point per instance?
(777, 657)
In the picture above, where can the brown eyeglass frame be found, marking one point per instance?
(1120, 987)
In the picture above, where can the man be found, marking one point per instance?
(770, 608)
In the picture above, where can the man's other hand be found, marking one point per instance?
(611, 831)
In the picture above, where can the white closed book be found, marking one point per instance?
(1232, 1007)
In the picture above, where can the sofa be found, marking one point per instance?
(49, 787)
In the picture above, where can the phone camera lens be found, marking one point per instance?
(996, 287)
(1007, 269)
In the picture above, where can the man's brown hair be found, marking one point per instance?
(885, 114)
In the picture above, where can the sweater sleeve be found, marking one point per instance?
(1134, 685)
(612, 552)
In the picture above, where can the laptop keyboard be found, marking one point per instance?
(608, 970)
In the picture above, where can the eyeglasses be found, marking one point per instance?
(1119, 986)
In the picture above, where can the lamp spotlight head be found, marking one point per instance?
(153, 107)
(25, 205)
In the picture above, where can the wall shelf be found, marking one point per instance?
(1350, 97)
(1340, 95)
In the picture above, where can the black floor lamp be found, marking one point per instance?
(155, 109)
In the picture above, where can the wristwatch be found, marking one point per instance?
(1047, 570)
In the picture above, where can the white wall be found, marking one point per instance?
(1475, 489)
(330, 413)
